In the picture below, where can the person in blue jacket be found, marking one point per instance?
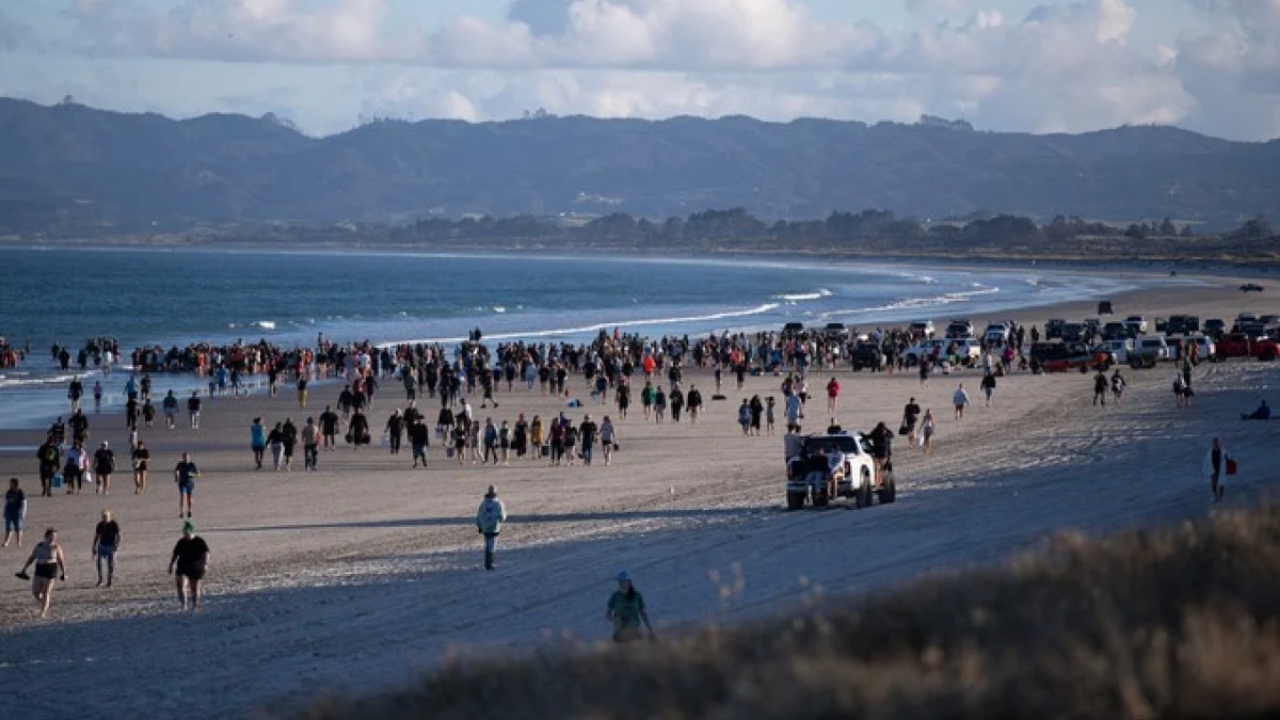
(489, 519)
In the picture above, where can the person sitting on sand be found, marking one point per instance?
(1262, 413)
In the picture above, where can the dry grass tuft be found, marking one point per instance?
(1177, 623)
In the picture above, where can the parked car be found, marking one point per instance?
(1137, 322)
(793, 328)
(1234, 345)
(1058, 356)
(996, 334)
(1073, 332)
(1113, 330)
(1104, 307)
(922, 328)
(1151, 349)
(1053, 328)
(1215, 327)
(836, 330)
(1118, 349)
(1207, 352)
(967, 349)
(960, 329)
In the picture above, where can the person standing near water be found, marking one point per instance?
(489, 519)
(960, 399)
(191, 557)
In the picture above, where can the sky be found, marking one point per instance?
(328, 65)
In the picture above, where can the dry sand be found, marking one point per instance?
(356, 576)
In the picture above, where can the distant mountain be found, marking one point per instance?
(69, 166)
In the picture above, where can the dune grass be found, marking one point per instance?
(1173, 623)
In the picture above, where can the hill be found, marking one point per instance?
(70, 166)
(1179, 623)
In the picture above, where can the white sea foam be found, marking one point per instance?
(597, 327)
(794, 298)
(265, 324)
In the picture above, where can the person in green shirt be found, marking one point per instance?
(626, 611)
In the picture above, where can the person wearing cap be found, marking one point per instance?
(104, 463)
(627, 612)
(191, 557)
(489, 519)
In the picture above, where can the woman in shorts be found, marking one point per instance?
(50, 565)
(926, 430)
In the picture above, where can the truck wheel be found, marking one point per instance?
(890, 491)
(795, 501)
(862, 496)
(1268, 356)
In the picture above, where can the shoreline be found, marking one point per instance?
(1153, 265)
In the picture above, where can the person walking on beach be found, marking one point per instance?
(927, 426)
(960, 399)
(185, 474)
(50, 565)
(50, 456)
(74, 392)
(910, 416)
(258, 441)
(988, 386)
(275, 439)
(106, 541)
(588, 431)
(1117, 386)
(489, 519)
(626, 611)
(310, 445)
(833, 395)
(1215, 469)
(419, 437)
(1100, 386)
(193, 409)
(394, 430)
(140, 457)
(289, 432)
(191, 557)
(608, 439)
(15, 512)
(329, 427)
(170, 407)
(76, 467)
(97, 397)
(104, 464)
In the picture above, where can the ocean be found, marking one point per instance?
(176, 296)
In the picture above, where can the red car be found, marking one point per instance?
(1239, 345)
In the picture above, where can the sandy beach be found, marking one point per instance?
(358, 575)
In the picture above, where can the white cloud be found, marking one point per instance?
(1233, 69)
(1066, 65)
(286, 30)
